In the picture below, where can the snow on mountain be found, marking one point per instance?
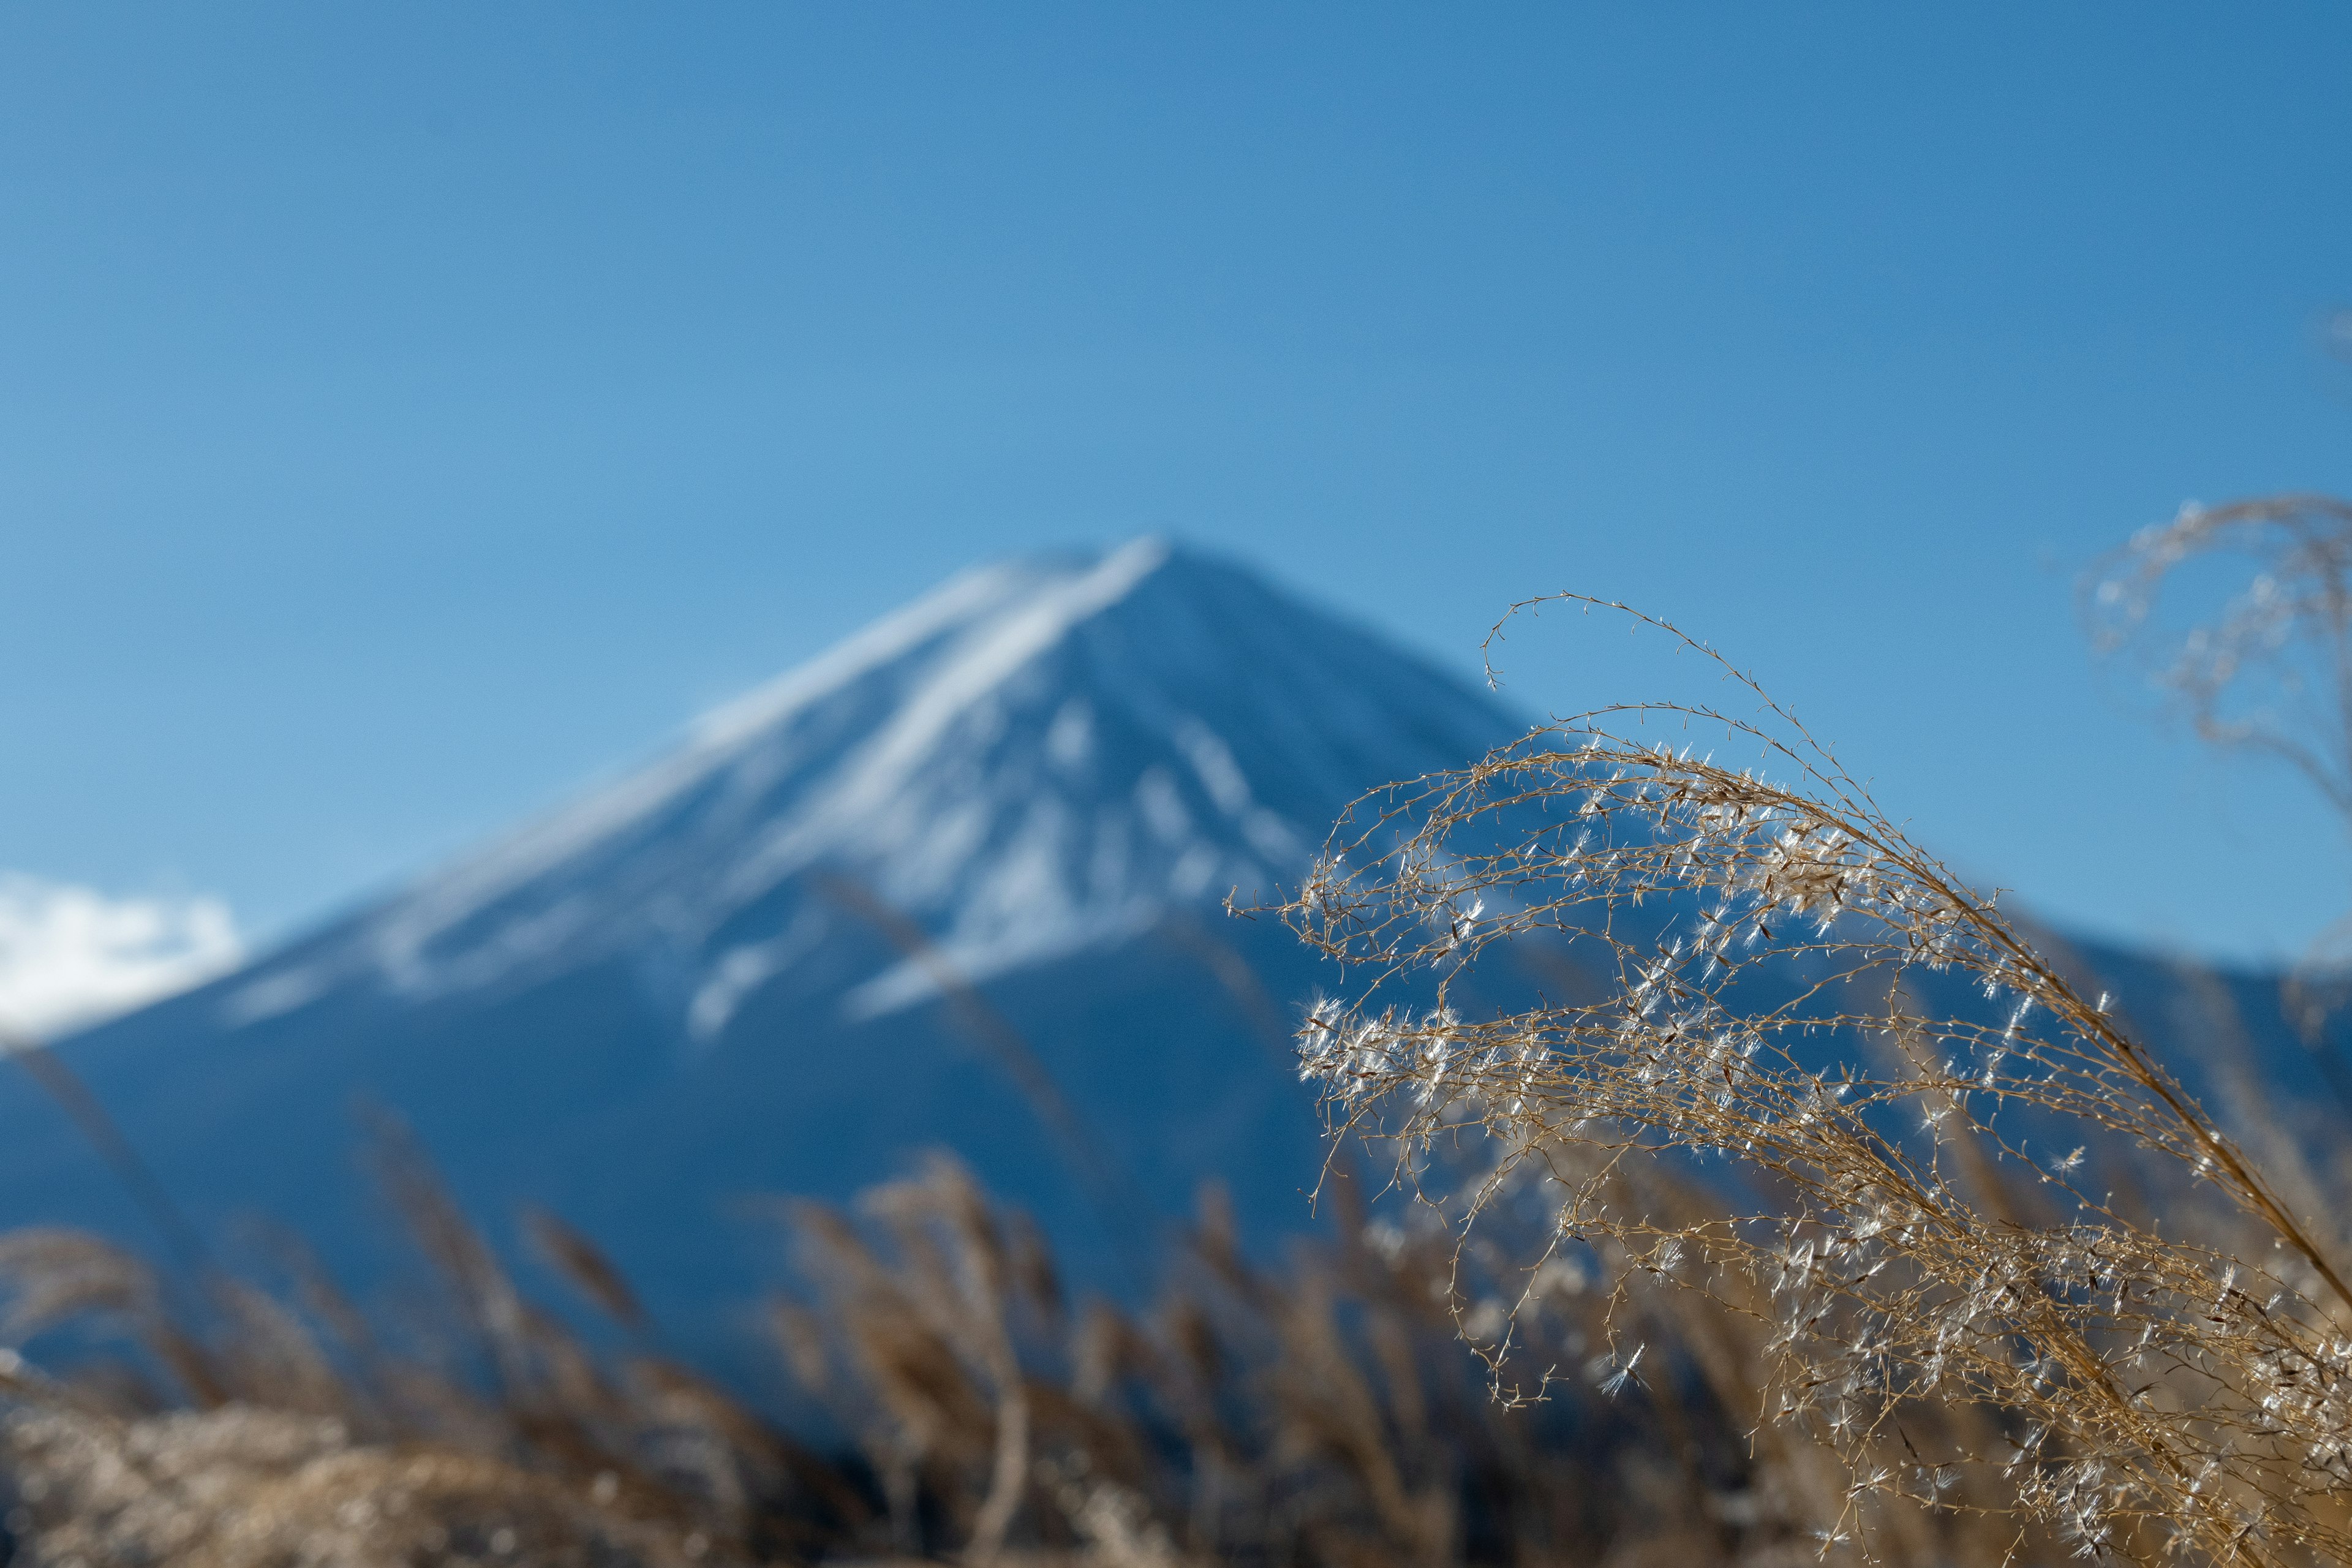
(1040, 757)
(720, 976)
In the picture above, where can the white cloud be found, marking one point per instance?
(70, 956)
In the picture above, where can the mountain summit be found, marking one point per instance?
(955, 882)
(1040, 757)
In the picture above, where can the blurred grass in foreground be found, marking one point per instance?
(1755, 1253)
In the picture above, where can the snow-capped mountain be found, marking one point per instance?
(1039, 757)
(957, 883)
(723, 976)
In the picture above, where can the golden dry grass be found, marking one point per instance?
(1814, 1213)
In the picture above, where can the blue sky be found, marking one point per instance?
(408, 414)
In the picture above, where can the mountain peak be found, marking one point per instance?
(1029, 601)
(1041, 754)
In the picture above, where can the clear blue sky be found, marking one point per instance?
(408, 414)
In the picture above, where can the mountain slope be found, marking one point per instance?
(723, 975)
